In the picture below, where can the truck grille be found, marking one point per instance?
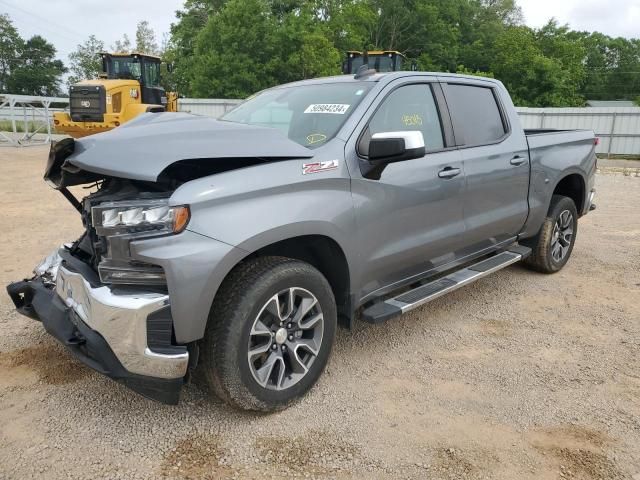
(87, 103)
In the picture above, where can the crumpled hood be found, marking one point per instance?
(142, 148)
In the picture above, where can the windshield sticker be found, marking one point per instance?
(335, 108)
(315, 138)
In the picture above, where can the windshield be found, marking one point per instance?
(309, 114)
(125, 68)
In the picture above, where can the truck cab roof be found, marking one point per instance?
(384, 78)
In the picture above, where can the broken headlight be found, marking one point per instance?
(117, 224)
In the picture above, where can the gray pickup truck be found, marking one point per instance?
(238, 245)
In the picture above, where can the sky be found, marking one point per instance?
(67, 23)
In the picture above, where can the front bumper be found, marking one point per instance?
(105, 329)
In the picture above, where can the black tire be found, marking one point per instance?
(240, 300)
(542, 258)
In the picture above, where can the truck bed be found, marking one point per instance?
(554, 153)
(545, 137)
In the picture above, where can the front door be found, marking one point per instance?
(409, 216)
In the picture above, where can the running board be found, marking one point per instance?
(392, 307)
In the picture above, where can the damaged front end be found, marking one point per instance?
(131, 297)
(110, 310)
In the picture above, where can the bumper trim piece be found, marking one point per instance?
(104, 330)
(590, 205)
(122, 321)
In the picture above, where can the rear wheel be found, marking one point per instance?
(270, 333)
(553, 245)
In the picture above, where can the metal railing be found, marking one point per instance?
(35, 115)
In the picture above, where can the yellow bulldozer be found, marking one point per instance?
(128, 86)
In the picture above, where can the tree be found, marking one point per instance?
(38, 72)
(85, 62)
(462, 70)
(555, 42)
(123, 45)
(182, 45)
(10, 47)
(228, 47)
(235, 53)
(146, 39)
(304, 47)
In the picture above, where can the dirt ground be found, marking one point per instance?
(520, 376)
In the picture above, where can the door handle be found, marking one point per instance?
(449, 172)
(518, 160)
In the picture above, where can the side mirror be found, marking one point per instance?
(389, 147)
(170, 67)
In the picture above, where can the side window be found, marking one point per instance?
(475, 114)
(411, 107)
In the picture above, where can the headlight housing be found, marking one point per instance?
(139, 216)
(117, 224)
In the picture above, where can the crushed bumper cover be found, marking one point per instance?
(104, 330)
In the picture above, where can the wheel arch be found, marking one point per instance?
(572, 185)
(322, 252)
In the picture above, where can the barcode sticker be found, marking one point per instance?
(335, 108)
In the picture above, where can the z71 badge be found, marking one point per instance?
(317, 167)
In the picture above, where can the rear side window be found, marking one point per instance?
(475, 114)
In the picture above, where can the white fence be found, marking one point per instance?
(618, 128)
(34, 113)
(214, 107)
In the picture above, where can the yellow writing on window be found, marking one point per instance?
(413, 120)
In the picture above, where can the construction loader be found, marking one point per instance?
(379, 60)
(128, 86)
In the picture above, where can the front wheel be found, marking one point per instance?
(270, 333)
(553, 245)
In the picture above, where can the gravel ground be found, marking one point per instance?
(520, 376)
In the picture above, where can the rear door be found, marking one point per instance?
(409, 215)
(496, 162)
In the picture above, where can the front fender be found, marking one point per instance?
(195, 266)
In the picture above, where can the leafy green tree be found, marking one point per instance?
(38, 71)
(555, 43)
(146, 39)
(533, 78)
(181, 47)
(235, 53)
(462, 70)
(304, 47)
(85, 62)
(233, 48)
(10, 47)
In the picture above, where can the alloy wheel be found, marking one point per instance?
(285, 338)
(562, 236)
